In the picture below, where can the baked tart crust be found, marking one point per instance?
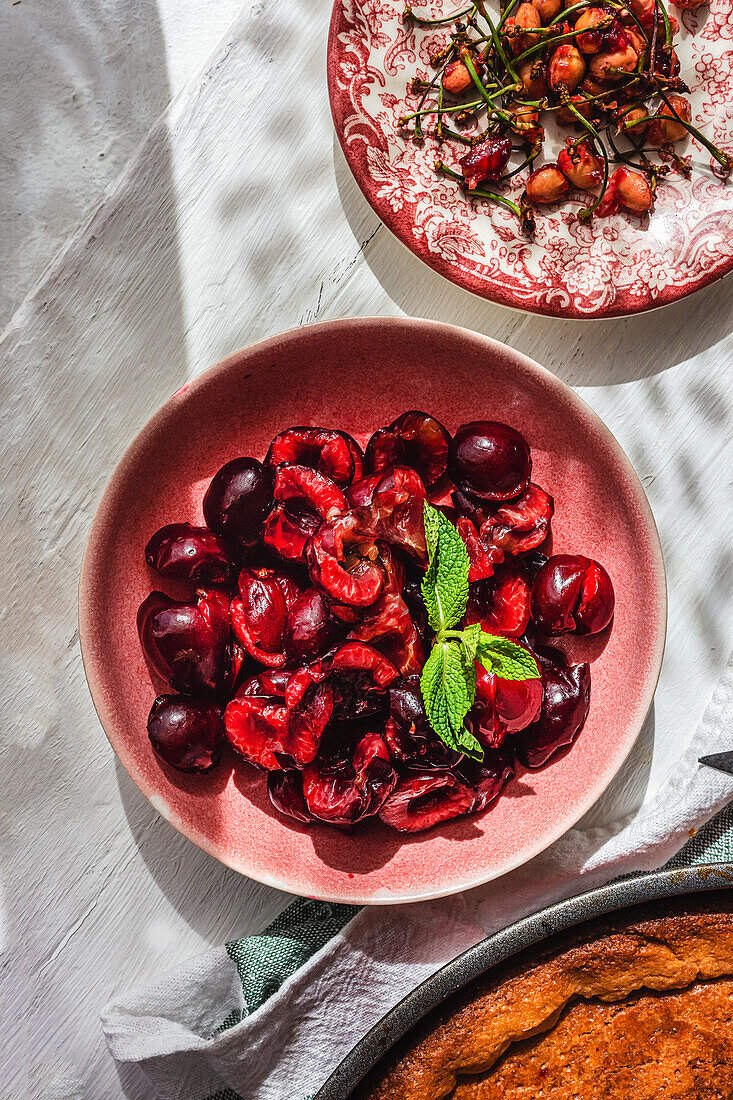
(631, 1008)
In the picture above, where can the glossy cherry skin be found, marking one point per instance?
(238, 499)
(411, 741)
(258, 616)
(572, 594)
(489, 460)
(485, 161)
(310, 628)
(414, 439)
(182, 552)
(186, 733)
(565, 704)
(487, 777)
(285, 789)
(187, 644)
(503, 707)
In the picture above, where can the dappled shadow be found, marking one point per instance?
(84, 82)
(582, 353)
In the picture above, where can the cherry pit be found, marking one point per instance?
(299, 648)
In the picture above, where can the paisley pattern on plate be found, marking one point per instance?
(614, 266)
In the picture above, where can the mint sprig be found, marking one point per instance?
(445, 585)
(448, 681)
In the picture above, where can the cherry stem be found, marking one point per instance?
(478, 193)
(409, 13)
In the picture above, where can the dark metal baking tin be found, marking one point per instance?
(531, 930)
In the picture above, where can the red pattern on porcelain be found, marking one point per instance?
(613, 266)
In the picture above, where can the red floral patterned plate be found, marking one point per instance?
(358, 375)
(612, 267)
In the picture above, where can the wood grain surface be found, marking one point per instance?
(238, 218)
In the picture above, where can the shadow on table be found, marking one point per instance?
(208, 896)
(583, 353)
(85, 81)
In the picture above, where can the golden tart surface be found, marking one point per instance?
(639, 1008)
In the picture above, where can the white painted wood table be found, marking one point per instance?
(237, 218)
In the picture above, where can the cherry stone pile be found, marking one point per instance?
(302, 644)
(606, 68)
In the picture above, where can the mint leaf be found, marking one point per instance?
(470, 636)
(448, 685)
(445, 585)
(505, 658)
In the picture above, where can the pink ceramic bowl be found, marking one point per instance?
(358, 375)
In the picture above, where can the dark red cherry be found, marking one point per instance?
(362, 491)
(503, 707)
(485, 161)
(310, 628)
(348, 792)
(420, 801)
(259, 614)
(488, 777)
(408, 734)
(269, 681)
(490, 460)
(186, 733)
(307, 721)
(572, 594)
(413, 439)
(182, 552)
(565, 703)
(238, 499)
(187, 644)
(285, 789)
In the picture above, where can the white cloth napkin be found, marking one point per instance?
(289, 1046)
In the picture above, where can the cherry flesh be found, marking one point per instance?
(348, 791)
(331, 452)
(502, 604)
(421, 801)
